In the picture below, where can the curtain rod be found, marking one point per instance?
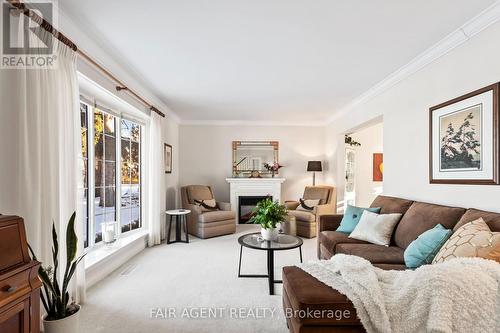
(68, 42)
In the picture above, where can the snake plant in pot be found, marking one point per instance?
(269, 214)
(62, 314)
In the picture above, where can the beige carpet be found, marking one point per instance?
(198, 279)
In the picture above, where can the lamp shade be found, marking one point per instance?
(314, 166)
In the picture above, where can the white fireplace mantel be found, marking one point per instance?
(253, 187)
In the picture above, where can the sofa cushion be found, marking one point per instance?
(473, 239)
(301, 215)
(330, 239)
(423, 249)
(376, 228)
(352, 216)
(198, 192)
(391, 205)
(317, 193)
(306, 293)
(376, 254)
(491, 219)
(422, 217)
(215, 216)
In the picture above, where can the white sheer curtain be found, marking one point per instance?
(48, 173)
(154, 180)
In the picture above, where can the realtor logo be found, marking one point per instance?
(25, 44)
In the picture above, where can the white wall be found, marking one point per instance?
(371, 139)
(206, 154)
(405, 110)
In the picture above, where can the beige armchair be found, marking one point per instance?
(206, 224)
(307, 220)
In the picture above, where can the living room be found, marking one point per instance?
(225, 166)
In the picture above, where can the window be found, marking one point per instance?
(130, 176)
(112, 139)
(104, 170)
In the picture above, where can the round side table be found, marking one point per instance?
(255, 241)
(180, 216)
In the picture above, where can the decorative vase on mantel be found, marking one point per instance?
(273, 173)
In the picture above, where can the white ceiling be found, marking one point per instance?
(266, 60)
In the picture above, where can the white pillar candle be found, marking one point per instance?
(108, 236)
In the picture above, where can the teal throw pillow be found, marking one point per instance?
(423, 249)
(352, 215)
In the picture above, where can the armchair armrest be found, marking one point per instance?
(291, 205)
(329, 222)
(320, 210)
(224, 205)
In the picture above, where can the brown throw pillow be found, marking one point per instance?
(474, 239)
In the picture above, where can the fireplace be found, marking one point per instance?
(246, 204)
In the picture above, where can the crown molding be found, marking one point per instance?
(461, 35)
(251, 123)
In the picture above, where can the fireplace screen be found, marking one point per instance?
(246, 205)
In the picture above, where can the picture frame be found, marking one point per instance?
(378, 167)
(464, 139)
(168, 158)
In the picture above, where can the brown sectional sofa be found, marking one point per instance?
(301, 291)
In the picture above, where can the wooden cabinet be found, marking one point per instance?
(19, 282)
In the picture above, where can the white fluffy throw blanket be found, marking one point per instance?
(460, 295)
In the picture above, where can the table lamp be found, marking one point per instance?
(314, 166)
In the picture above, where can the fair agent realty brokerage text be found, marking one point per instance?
(246, 313)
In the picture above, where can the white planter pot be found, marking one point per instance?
(269, 234)
(69, 324)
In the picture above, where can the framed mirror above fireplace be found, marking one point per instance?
(250, 156)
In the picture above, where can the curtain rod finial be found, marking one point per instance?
(118, 88)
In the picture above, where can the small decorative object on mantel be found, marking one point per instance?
(269, 214)
(378, 167)
(168, 158)
(255, 174)
(273, 167)
(351, 142)
(464, 139)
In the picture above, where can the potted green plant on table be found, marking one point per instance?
(269, 214)
(62, 314)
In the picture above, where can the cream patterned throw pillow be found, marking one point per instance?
(474, 239)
